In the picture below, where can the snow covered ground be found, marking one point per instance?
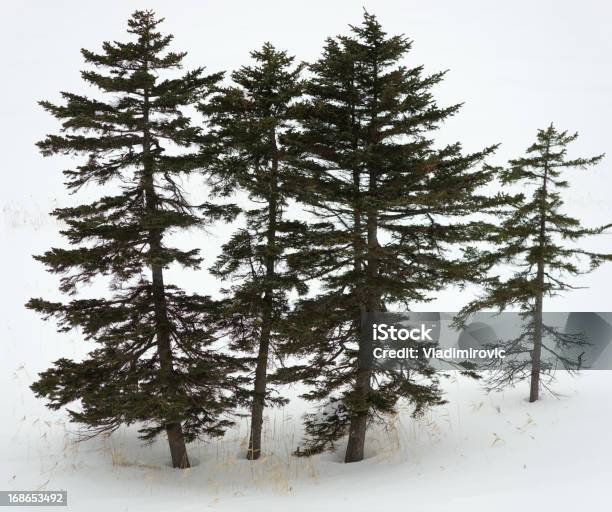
(476, 453)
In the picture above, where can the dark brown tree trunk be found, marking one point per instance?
(536, 354)
(261, 370)
(363, 381)
(174, 431)
(357, 430)
(259, 394)
(178, 450)
(370, 303)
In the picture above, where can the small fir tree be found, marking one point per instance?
(538, 240)
(248, 121)
(389, 207)
(154, 363)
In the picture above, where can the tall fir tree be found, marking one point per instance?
(539, 241)
(154, 362)
(248, 121)
(389, 207)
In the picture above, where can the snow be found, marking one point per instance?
(475, 453)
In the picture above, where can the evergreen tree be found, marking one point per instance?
(389, 207)
(154, 363)
(533, 238)
(248, 120)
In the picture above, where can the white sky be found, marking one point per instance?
(517, 66)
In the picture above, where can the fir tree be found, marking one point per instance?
(389, 207)
(539, 241)
(248, 120)
(153, 363)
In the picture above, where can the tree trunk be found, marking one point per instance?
(370, 303)
(357, 430)
(363, 382)
(259, 395)
(174, 431)
(536, 354)
(178, 450)
(261, 370)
